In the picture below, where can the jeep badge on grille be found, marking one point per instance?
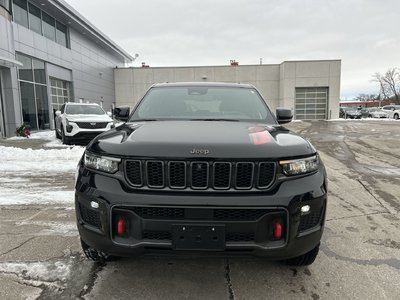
(199, 151)
(93, 124)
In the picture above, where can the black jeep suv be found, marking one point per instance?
(202, 168)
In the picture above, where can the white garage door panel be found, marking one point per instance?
(311, 103)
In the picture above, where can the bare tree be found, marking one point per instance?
(389, 84)
(367, 97)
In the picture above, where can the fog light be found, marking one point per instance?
(305, 209)
(94, 204)
(69, 128)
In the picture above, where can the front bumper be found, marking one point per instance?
(245, 221)
(84, 136)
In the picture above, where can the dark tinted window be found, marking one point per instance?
(61, 34)
(49, 30)
(21, 12)
(40, 75)
(25, 72)
(35, 22)
(84, 110)
(202, 102)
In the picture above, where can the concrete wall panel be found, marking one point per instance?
(277, 83)
(225, 74)
(182, 74)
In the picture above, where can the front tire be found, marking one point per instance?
(305, 259)
(58, 136)
(396, 116)
(64, 139)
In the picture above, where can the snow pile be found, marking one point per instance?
(18, 196)
(43, 176)
(28, 161)
(48, 135)
(40, 135)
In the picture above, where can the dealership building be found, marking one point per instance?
(310, 88)
(49, 55)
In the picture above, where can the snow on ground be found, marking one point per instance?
(52, 227)
(28, 161)
(48, 135)
(40, 135)
(40, 177)
(364, 119)
(47, 271)
(21, 196)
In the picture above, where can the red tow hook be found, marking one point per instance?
(278, 230)
(121, 227)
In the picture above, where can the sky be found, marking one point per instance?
(364, 34)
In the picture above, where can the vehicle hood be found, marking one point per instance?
(191, 139)
(88, 118)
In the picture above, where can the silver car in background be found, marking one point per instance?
(392, 110)
(373, 112)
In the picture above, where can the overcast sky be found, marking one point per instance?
(364, 34)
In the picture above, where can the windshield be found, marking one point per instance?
(203, 103)
(84, 110)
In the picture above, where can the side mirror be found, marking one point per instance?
(109, 114)
(122, 113)
(284, 115)
(58, 113)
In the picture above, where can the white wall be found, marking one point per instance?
(277, 83)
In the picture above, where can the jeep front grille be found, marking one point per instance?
(199, 175)
(92, 125)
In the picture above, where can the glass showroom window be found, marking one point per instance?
(35, 19)
(60, 93)
(6, 4)
(49, 29)
(61, 34)
(20, 10)
(33, 90)
(39, 21)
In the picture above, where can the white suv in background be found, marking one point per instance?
(392, 110)
(81, 122)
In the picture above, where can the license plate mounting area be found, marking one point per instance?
(198, 237)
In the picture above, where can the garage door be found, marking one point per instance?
(311, 103)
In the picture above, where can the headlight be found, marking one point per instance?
(299, 166)
(102, 163)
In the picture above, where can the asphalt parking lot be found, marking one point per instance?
(40, 256)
